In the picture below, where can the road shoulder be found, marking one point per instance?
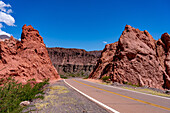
(60, 98)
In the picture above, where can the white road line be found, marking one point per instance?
(128, 90)
(94, 100)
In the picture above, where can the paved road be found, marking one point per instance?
(121, 100)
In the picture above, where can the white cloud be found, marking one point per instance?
(9, 11)
(3, 6)
(104, 42)
(1, 25)
(5, 17)
(4, 33)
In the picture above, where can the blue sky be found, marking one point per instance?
(85, 24)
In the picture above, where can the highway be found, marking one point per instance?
(120, 100)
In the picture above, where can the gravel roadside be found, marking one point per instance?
(60, 98)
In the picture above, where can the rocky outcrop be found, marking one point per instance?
(163, 53)
(73, 60)
(137, 59)
(26, 59)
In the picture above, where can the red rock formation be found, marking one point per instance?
(163, 53)
(26, 59)
(73, 60)
(136, 58)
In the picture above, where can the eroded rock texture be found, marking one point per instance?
(26, 59)
(137, 59)
(73, 60)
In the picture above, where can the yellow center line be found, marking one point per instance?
(125, 96)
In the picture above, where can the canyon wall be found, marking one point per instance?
(73, 60)
(137, 59)
(26, 59)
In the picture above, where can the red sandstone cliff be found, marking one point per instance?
(26, 59)
(73, 60)
(136, 58)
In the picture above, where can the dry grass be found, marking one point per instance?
(59, 89)
(52, 98)
(68, 100)
(41, 105)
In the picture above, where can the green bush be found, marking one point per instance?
(128, 83)
(133, 85)
(105, 78)
(64, 77)
(72, 75)
(86, 77)
(13, 93)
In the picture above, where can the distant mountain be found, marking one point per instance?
(73, 61)
(4, 37)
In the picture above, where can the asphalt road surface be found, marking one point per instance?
(121, 100)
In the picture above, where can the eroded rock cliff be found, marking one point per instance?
(26, 59)
(73, 60)
(137, 59)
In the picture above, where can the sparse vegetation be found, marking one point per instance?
(63, 76)
(106, 79)
(59, 89)
(51, 100)
(13, 93)
(81, 74)
(128, 83)
(86, 77)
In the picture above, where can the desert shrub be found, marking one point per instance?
(80, 74)
(86, 77)
(105, 78)
(72, 75)
(125, 82)
(64, 77)
(129, 83)
(133, 85)
(13, 93)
